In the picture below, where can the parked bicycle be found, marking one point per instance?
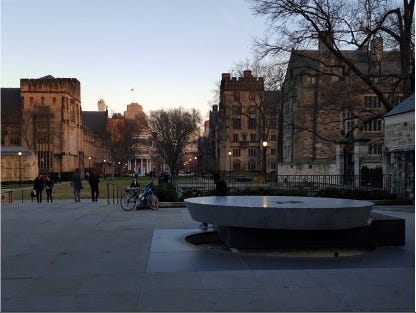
(133, 198)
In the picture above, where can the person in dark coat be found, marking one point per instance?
(76, 184)
(221, 189)
(220, 186)
(38, 185)
(94, 180)
(135, 183)
(48, 188)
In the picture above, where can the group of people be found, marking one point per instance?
(45, 182)
(93, 180)
(42, 182)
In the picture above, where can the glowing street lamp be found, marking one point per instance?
(264, 159)
(20, 168)
(229, 154)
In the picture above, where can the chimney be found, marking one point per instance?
(247, 73)
(215, 107)
(377, 48)
(226, 75)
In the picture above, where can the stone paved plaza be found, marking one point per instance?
(93, 256)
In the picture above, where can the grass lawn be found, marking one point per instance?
(64, 189)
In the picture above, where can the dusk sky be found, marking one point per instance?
(171, 52)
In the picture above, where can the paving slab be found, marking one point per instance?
(93, 256)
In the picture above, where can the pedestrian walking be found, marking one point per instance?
(48, 188)
(38, 186)
(94, 180)
(76, 184)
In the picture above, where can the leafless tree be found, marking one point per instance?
(123, 139)
(172, 130)
(295, 25)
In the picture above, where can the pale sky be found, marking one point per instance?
(171, 52)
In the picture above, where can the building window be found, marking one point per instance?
(252, 165)
(235, 137)
(348, 125)
(375, 148)
(252, 152)
(251, 95)
(253, 137)
(273, 165)
(236, 165)
(237, 123)
(373, 126)
(273, 124)
(273, 137)
(236, 152)
(251, 123)
(371, 102)
(273, 151)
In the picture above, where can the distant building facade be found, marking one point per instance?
(244, 119)
(323, 108)
(45, 117)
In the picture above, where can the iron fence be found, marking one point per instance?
(310, 184)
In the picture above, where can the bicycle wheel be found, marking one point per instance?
(128, 201)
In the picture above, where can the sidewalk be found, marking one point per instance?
(91, 256)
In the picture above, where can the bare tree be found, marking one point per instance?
(172, 130)
(123, 139)
(295, 26)
(269, 107)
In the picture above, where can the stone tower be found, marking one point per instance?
(53, 122)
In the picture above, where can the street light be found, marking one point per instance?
(104, 169)
(20, 168)
(229, 154)
(264, 159)
(20, 173)
(89, 164)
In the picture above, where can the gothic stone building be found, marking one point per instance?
(324, 104)
(239, 125)
(44, 118)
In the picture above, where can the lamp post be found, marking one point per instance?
(20, 173)
(229, 155)
(104, 169)
(264, 159)
(20, 168)
(89, 164)
(196, 167)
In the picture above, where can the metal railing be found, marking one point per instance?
(311, 184)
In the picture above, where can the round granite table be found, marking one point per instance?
(280, 212)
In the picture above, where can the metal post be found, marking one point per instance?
(264, 159)
(20, 174)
